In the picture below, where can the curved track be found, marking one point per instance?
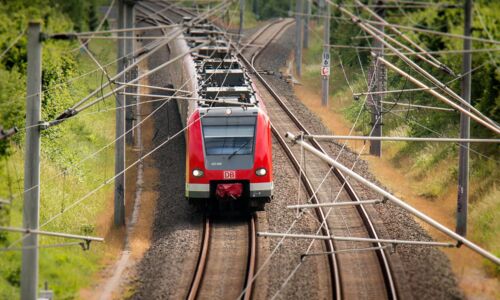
(355, 274)
(252, 48)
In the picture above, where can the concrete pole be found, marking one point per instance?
(242, 14)
(463, 162)
(119, 203)
(31, 209)
(379, 85)
(129, 48)
(306, 24)
(325, 81)
(298, 38)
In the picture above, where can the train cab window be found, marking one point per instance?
(226, 137)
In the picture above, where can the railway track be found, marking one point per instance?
(252, 48)
(354, 274)
(227, 260)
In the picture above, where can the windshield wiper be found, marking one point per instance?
(237, 150)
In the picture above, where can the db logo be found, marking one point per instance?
(229, 174)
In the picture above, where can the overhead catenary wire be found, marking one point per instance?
(400, 138)
(156, 87)
(410, 105)
(106, 15)
(109, 180)
(93, 33)
(356, 239)
(406, 6)
(127, 37)
(428, 58)
(119, 174)
(440, 134)
(420, 89)
(190, 98)
(174, 34)
(485, 28)
(301, 213)
(94, 59)
(128, 68)
(50, 233)
(111, 143)
(487, 122)
(451, 51)
(434, 32)
(13, 43)
(330, 210)
(150, 47)
(442, 98)
(411, 28)
(49, 246)
(74, 111)
(163, 65)
(401, 203)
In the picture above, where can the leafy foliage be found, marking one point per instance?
(66, 269)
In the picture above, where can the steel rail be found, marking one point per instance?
(252, 257)
(204, 251)
(329, 244)
(277, 33)
(390, 197)
(204, 256)
(382, 256)
(202, 261)
(256, 36)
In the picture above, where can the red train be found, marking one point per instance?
(229, 156)
(228, 136)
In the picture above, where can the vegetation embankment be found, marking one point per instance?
(69, 170)
(432, 168)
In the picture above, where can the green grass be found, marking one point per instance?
(66, 269)
(249, 20)
(485, 229)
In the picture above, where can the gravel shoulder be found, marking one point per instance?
(424, 272)
(166, 270)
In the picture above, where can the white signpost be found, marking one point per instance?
(325, 67)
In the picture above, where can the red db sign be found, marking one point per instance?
(229, 174)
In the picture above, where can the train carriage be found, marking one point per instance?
(228, 136)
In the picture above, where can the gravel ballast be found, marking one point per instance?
(426, 270)
(166, 270)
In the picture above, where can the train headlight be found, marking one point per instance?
(197, 173)
(261, 172)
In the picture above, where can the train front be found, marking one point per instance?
(229, 157)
